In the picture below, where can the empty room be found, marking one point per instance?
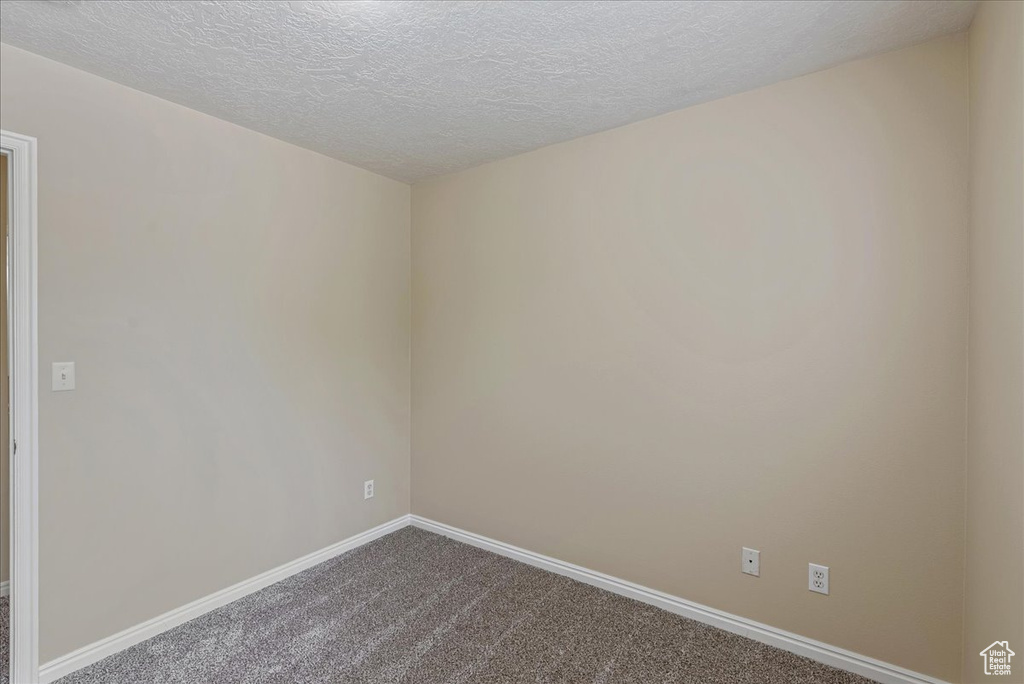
(512, 342)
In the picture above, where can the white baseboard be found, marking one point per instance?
(87, 655)
(809, 648)
(5, 588)
(794, 643)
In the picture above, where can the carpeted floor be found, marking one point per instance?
(5, 640)
(415, 607)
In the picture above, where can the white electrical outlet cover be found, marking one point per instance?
(817, 578)
(368, 489)
(751, 562)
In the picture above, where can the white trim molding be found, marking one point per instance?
(20, 151)
(794, 643)
(87, 655)
(815, 650)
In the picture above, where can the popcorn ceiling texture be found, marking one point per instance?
(416, 89)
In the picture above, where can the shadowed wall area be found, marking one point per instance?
(238, 309)
(739, 324)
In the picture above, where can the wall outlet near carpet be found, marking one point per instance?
(751, 562)
(817, 578)
(368, 489)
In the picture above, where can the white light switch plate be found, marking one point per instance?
(63, 376)
(751, 562)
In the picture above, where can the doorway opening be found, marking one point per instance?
(19, 408)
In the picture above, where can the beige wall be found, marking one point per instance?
(238, 309)
(743, 323)
(994, 608)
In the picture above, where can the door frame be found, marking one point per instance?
(22, 318)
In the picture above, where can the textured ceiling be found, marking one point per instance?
(415, 89)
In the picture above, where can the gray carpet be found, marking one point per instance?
(415, 607)
(5, 640)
